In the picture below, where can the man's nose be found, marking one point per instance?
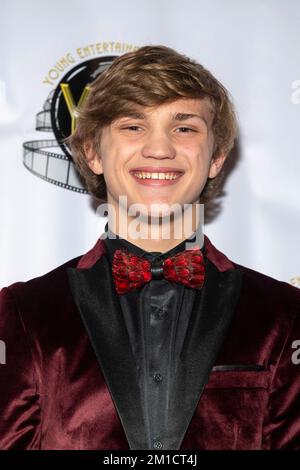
(158, 145)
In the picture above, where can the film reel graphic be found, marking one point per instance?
(51, 159)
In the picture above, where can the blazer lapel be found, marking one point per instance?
(102, 316)
(210, 318)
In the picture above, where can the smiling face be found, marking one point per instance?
(160, 154)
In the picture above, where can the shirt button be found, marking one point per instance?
(159, 312)
(157, 377)
(157, 445)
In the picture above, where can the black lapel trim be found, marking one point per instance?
(212, 313)
(98, 304)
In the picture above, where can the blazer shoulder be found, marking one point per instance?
(264, 289)
(49, 285)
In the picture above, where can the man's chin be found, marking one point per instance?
(146, 210)
(158, 213)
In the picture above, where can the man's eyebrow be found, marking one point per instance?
(176, 116)
(185, 116)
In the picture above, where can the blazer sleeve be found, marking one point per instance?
(282, 426)
(19, 397)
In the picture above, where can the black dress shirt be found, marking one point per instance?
(157, 316)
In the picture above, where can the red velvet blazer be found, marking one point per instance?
(69, 380)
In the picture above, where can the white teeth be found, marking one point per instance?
(156, 176)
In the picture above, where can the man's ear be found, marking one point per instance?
(216, 164)
(93, 159)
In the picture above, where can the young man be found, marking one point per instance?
(151, 342)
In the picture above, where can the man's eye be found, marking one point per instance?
(132, 128)
(186, 129)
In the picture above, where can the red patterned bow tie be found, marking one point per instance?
(131, 271)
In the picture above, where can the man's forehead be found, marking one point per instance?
(185, 107)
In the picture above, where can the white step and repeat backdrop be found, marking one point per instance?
(252, 47)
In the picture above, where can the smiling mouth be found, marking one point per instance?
(156, 179)
(145, 175)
